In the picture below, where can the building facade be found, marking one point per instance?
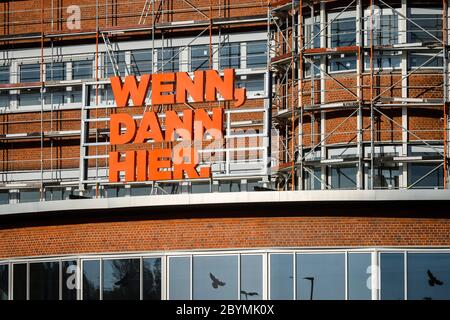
(329, 182)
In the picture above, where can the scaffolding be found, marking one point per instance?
(373, 104)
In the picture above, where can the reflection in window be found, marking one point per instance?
(386, 177)
(141, 191)
(215, 277)
(4, 197)
(422, 60)
(69, 280)
(30, 73)
(119, 58)
(359, 274)
(320, 276)
(426, 28)
(4, 282)
(281, 277)
(141, 62)
(428, 276)
(343, 177)
(343, 32)
(392, 276)
(20, 281)
(252, 82)
(251, 277)
(4, 99)
(257, 54)
(312, 37)
(55, 71)
(32, 195)
(200, 188)
(386, 32)
(30, 97)
(312, 64)
(82, 69)
(179, 278)
(343, 63)
(121, 279)
(152, 279)
(91, 280)
(313, 179)
(423, 176)
(168, 60)
(44, 281)
(230, 56)
(199, 57)
(384, 60)
(4, 74)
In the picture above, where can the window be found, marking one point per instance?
(52, 194)
(30, 97)
(343, 32)
(114, 192)
(4, 74)
(359, 276)
(69, 280)
(151, 279)
(215, 277)
(230, 56)
(199, 57)
(428, 276)
(313, 179)
(4, 197)
(91, 280)
(385, 60)
(4, 282)
(251, 277)
(44, 281)
(179, 278)
(252, 82)
(30, 73)
(230, 186)
(343, 177)
(320, 276)
(423, 176)
(119, 59)
(426, 28)
(55, 96)
(141, 62)
(425, 60)
(392, 276)
(345, 62)
(386, 30)
(314, 64)
(55, 71)
(168, 60)
(386, 177)
(20, 281)
(32, 195)
(121, 278)
(141, 191)
(200, 188)
(312, 36)
(257, 54)
(4, 99)
(281, 277)
(82, 69)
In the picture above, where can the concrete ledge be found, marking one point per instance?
(236, 198)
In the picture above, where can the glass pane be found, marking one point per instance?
(30, 195)
(4, 74)
(141, 191)
(121, 279)
(20, 281)
(359, 275)
(257, 54)
(200, 57)
(141, 62)
(345, 63)
(91, 280)
(432, 23)
(423, 176)
(29, 97)
(82, 69)
(215, 278)
(179, 278)
(230, 55)
(254, 82)
(428, 276)
(281, 277)
(4, 197)
(168, 59)
(392, 276)
(4, 282)
(4, 99)
(152, 279)
(251, 277)
(44, 281)
(321, 276)
(343, 32)
(55, 71)
(69, 280)
(30, 73)
(343, 177)
(119, 58)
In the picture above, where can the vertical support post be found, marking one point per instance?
(42, 101)
(445, 83)
(372, 133)
(300, 94)
(359, 92)
(403, 37)
(323, 66)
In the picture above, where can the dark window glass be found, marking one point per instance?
(4, 74)
(44, 281)
(200, 188)
(281, 277)
(53, 194)
(168, 60)
(257, 54)
(119, 58)
(55, 71)
(20, 281)
(432, 23)
(312, 37)
(30, 97)
(386, 30)
(345, 63)
(230, 56)
(30, 73)
(4, 99)
(69, 280)
(343, 32)
(392, 276)
(251, 277)
(359, 276)
(141, 191)
(4, 282)
(82, 69)
(343, 177)
(233, 186)
(179, 278)
(252, 82)
(30, 195)
(121, 278)
(321, 276)
(91, 280)
(215, 277)
(386, 178)
(425, 61)
(56, 96)
(4, 197)
(152, 279)
(313, 64)
(200, 57)
(423, 176)
(428, 276)
(111, 192)
(384, 60)
(141, 62)
(314, 179)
